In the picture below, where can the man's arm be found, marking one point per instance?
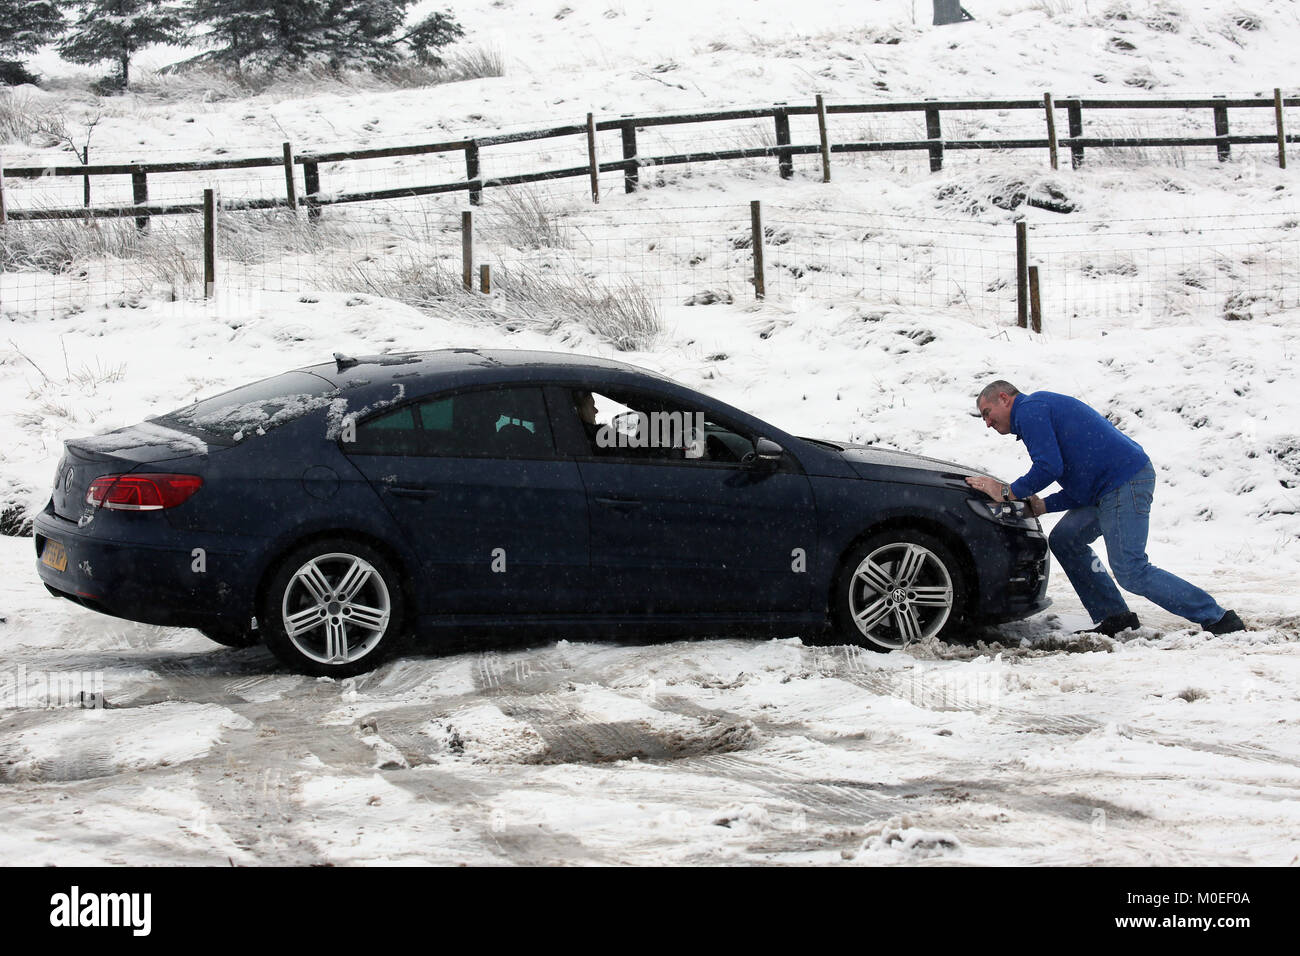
(1040, 440)
(1061, 502)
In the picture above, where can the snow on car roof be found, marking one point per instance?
(453, 363)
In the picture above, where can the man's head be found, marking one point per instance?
(585, 403)
(994, 404)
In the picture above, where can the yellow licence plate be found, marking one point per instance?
(55, 556)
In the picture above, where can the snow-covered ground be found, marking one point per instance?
(1169, 747)
(1027, 746)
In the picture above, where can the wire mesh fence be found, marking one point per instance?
(891, 260)
(1093, 275)
(1116, 274)
(413, 246)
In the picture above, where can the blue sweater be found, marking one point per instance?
(1074, 446)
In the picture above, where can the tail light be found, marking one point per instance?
(141, 492)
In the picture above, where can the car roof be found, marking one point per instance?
(449, 368)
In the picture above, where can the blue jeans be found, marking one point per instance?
(1121, 517)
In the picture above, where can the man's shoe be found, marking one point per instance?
(1226, 624)
(1112, 625)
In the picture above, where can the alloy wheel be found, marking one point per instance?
(336, 608)
(899, 594)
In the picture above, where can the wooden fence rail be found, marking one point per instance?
(315, 197)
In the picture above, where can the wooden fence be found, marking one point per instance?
(314, 197)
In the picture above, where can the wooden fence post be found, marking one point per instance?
(1035, 304)
(209, 244)
(631, 173)
(311, 184)
(85, 180)
(1051, 130)
(485, 279)
(784, 158)
(756, 239)
(932, 132)
(4, 213)
(467, 249)
(1281, 128)
(1022, 274)
(290, 188)
(472, 172)
(1074, 112)
(591, 158)
(1221, 131)
(140, 196)
(825, 141)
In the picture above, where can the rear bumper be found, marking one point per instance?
(138, 571)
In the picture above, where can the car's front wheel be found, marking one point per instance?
(333, 608)
(897, 588)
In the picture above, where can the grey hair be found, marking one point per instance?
(991, 390)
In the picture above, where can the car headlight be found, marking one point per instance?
(1003, 512)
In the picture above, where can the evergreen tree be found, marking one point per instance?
(117, 29)
(25, 27)
(362, 33)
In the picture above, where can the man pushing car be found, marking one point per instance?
(1107, 483)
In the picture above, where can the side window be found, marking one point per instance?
(646, 427)
(393, 433)
(488, 423)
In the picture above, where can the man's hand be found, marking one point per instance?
(1036, 506)
(990, 486)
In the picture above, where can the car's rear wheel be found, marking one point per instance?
(896, 588)
(333, 608)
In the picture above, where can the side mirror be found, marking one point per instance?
(766, 452)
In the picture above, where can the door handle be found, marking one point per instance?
(406, 491)
(618, 504)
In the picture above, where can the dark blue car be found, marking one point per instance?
(334, 510)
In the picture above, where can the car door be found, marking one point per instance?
(499, 520)
(679, 523)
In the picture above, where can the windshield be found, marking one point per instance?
(255, 408)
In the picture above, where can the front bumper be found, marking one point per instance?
(1015, 586)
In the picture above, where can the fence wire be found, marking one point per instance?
(1139, 272)
(1092, 275)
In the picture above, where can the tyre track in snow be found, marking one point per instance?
(570, 739)
(526, 689)
(889, 683)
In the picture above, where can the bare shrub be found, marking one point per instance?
(472, 64)
(209, 82)
(622, 313)
(58, 245)
(1160, 17)
(168, 254)
(19, 116)
(15, 522)
(261, 235)
(427, 283)
(522, 220)
(1135, 156)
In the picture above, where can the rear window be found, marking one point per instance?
(255, 408)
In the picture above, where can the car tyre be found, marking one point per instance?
(333, 608)
(895, 588)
